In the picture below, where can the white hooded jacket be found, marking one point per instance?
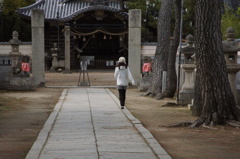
(122, 75)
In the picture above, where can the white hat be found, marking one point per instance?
(122, 60)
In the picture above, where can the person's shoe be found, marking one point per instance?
(122, 107)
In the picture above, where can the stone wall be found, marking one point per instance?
(5, 68)
(25, 48)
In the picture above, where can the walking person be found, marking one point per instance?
(122, 75)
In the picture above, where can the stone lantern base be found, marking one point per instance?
(145, 83)
(21, 84)
(186, 96)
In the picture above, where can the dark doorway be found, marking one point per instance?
(100, 35)
(103, 50)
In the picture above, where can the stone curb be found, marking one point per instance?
(147, 136)
(44, 133)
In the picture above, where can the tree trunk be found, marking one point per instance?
(163, 46)
(171, 64)
(217, 100)
(197, 103)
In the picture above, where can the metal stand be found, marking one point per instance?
(83, 70)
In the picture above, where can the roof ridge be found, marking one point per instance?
(67, 11)
(94, 7)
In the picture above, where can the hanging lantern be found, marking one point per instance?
(79, 36)
(93, 36)
(105, 37)
(74, 37)
(84, 39)
(110, 37)
(120, 38)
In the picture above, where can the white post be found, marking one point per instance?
(134, 43)
(67, 49)
(38, 63)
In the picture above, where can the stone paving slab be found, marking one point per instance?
(87, 123)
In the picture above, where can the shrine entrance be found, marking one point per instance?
(100, 37)
(94, 30)
(99, 47)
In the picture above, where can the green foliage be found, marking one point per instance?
(149, 13)
(10, 21)
(188, 17)
(140, 4)
(231, 18)
(10, 6)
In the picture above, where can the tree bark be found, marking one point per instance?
(217, 100)
(197, 103)
(171, 63)
(163, 46)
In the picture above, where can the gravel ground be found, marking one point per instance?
(22, 115)
(96, 78)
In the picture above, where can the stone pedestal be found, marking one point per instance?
(145, 83)
(54, 61)
(21, 84)
(187, 93)
(189, 75)
(232, 77)
(134, 44)
(186, 96)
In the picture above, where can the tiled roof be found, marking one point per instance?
(58, 10)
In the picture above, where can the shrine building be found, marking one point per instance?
(98, 30)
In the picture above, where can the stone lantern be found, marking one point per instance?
(55, 62)
(15, 54)
(187, 93)
(230, 50)
(55, 57)
(189, 50)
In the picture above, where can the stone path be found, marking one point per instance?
(87, 123)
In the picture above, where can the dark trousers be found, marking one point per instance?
(122, 96)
